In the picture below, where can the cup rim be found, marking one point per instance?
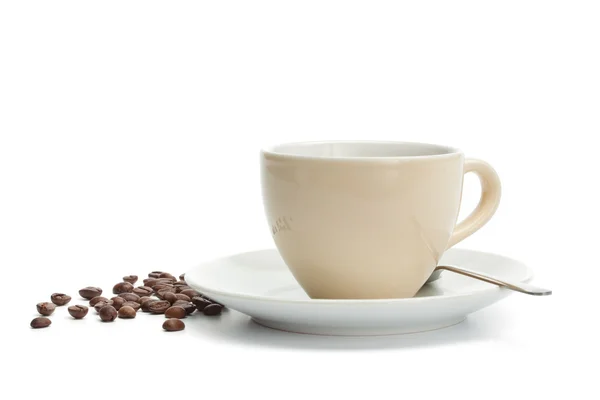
(273, 151)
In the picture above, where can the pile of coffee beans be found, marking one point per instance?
(160, 294)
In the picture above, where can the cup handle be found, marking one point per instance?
(488, 204)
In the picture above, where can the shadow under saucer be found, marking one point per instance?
(238, 328)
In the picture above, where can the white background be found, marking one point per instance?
(129, 138)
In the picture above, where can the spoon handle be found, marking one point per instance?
(518, 286)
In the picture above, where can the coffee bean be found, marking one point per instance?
(191, 293)
(136, 306)
(96, 300)
(189, 308)
(127, 312)
(100, 305)
(160, 286)
(143, 291)
(60, 299)
(117, 302)
(46, 308)
(170, 297)
(213, 309)
(144, 298)
(175, 312)
(167, 275)
(180, 289)
(90, 292)
(181, 296)
(200, 302)
(130, 278)
(130, 297)
(150, 282)
(42, 322)
(154, 274)
(78, 312)
(180, 283)
(159, 307)
(182, 277)
(213, 301)
(108, 313)
(173, 325)
(146, 304)
(123, 287)
(161, 293)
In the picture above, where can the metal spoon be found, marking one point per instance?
(518, 286)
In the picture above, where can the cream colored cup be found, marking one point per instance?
(369, 220)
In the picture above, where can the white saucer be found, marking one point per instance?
(260, 285)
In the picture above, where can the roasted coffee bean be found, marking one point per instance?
(159, 307)
(150, 282)
(180, 289)
(167, 275)
(117, 302)
(130, 278)
(160, 286)
(200, 302)
(97, 300)
(130, 297)
(146, 304)
(122, 287)
(186, 305)
(90, 292)
(143, 291)
(60, 299)
(173, 325)
(189, 308)
(100, 305)
(161, 293)
(42, 322)
(136, 306)
(170, 297)
(191, 293)
(213, 301)
(108, 313)
(78, 312)
(182, 277)
(46, 308)
(154, 274)
(180, 283)
(144, 298)
(181, 296)
(127, 312)
(170, 281)
(175, 312)
(213, 309)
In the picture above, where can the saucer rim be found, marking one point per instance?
(491, 288)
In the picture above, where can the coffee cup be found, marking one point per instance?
(369, 220)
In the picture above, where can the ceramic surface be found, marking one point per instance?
(368, 220)
(260, 285)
